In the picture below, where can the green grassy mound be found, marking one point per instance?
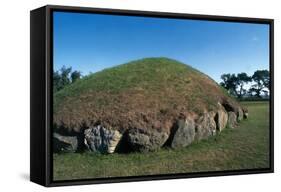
(146, 93)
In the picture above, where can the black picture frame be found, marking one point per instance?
(41, 61)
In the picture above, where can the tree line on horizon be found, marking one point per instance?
(63, 77)
(235, 84)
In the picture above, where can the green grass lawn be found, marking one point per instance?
(245, 147)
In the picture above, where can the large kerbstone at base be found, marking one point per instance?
(240, 114)
(232, 119)
(184, 133)
(245, 113)
(205, 126)
(221, 119)
(146, 140)
(101, 139)
(64, 143)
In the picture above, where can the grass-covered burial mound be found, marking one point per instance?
(141, 106)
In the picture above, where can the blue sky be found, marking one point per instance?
(92, 42)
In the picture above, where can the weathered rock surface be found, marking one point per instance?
(245, 113)
(228, 106)
(101, 139)
(205, 126)
(64, 143)
(232, 119)
(184, 133)
(187, 129)
(145, 140)
(239, 114)
(221, 119)
(232, 106)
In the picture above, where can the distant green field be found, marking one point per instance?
(246, 147)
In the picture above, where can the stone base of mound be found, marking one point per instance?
(183, 132)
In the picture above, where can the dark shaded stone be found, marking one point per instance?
(145, 140)
(64, 143)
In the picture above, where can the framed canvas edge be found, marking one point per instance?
(48, 130)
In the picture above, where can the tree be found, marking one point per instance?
(230, 83)
(64, 77)
(261, 79)
(242, 79)
(75, 75)
(56, 81)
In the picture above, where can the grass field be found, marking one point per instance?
(245, 147)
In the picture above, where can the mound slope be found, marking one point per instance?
(148, 94)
